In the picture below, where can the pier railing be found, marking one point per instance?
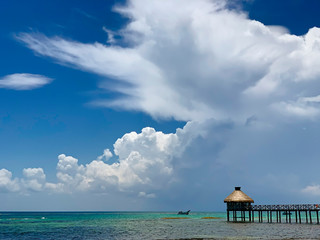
(281, 207)
(285, 207)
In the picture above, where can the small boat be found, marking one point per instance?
(286, 213)
(184, 213)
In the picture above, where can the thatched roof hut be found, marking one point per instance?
(237, 196)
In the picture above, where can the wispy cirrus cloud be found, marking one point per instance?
(111, 34)
(204, 58)
(24, 81)
(84, 13)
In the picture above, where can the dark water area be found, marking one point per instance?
(143, 225)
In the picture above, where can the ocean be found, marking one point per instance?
(143, 225)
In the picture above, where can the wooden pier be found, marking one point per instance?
(291, 213)
(239, 209)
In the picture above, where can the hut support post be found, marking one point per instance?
(317, 217)
(239, 203)
(296, 216)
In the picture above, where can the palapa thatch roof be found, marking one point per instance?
(238, 196)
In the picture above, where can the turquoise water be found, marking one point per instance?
(142, 225)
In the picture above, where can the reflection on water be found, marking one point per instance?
(143, 225)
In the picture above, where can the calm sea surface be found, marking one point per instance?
(142, 225)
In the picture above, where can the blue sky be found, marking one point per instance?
(60, 110)
(149, 105)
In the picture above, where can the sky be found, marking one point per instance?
(149, 105)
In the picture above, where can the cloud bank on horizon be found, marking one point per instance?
(195, 61)
(147, 161)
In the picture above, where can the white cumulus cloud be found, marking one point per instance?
(7, 183)
(312, 189)
(34, 179)
(107, 154)
(143, 159)
(146, 195)
(145, 162)
(23, 81)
